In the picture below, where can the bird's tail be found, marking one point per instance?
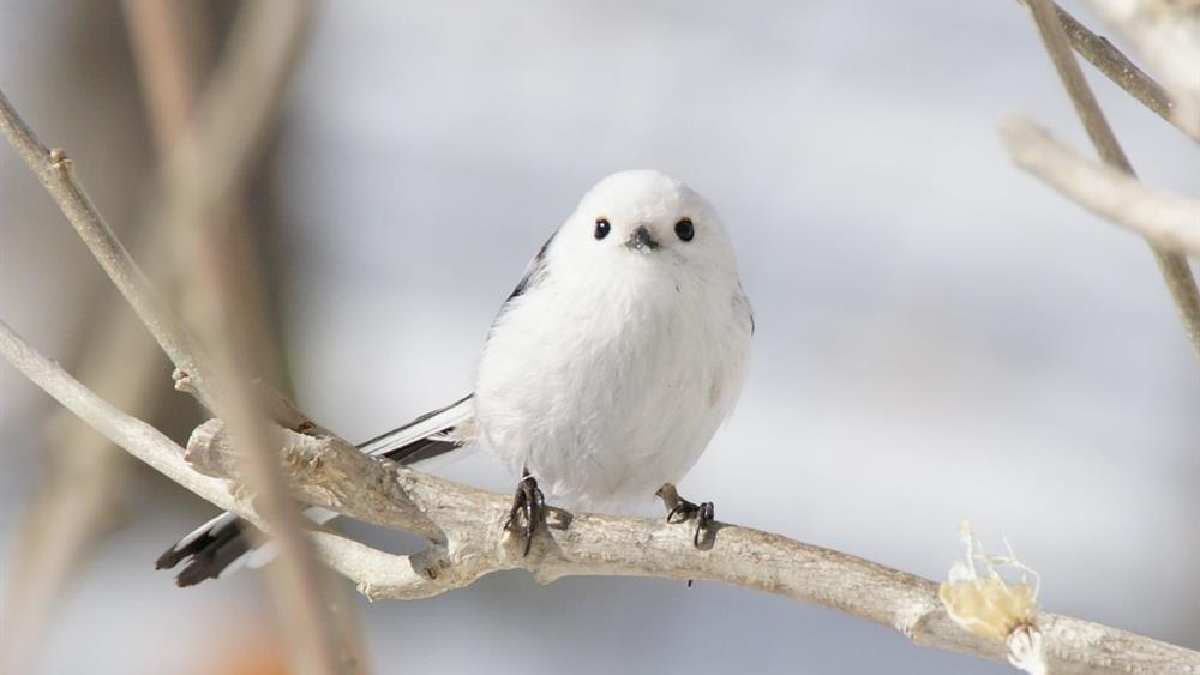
(227, 543)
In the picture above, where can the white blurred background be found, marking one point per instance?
(939, 336)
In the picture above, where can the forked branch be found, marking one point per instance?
(467, 540)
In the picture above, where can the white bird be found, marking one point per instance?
(604, 377)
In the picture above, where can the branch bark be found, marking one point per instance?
(53, 169)
(1110, 61)
(1166, 34)
(1172, 265)
(468, 541)
(69, 516)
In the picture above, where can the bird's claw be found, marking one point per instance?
(530, 505)
(681, 510)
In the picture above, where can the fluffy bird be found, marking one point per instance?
(603, 378)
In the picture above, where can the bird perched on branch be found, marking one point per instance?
(605, 374)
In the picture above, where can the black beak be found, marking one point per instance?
(641, 239)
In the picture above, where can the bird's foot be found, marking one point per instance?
(680, 510)
(529, 505)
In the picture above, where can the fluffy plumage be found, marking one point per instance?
(605, 374)
(610, 372)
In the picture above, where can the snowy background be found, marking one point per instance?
(939, 336)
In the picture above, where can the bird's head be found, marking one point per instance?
(645, 218)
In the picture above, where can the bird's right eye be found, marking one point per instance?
(602, 228)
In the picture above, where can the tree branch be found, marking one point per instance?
(468, 541)
(1170, 221)
(1166, 34)
(53, 169)
(1173, 266)
(204, 171)
(1115, 65)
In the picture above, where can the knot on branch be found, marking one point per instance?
(322, 470)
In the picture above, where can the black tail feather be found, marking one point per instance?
(233, 542)
(209, 550)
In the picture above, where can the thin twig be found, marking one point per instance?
(1110, 61)
(471, 543)
(1166, 35)
(68, 516)
(53, 169)
(1174, 266)
(1170, 221)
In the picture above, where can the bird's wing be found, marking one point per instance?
(434, 433)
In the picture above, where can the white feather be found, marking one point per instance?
(609, 376)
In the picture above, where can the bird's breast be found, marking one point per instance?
(603, 392)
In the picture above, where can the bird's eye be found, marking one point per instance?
(602, 228)
(685, 230)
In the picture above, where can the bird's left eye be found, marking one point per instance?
(685, 230)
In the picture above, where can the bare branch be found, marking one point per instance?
(68, 517)
(1115, 65)
(1173, 266)
(203, 169)
(472, 543)
(1168, 220)
(53, 169)
(1166, 33)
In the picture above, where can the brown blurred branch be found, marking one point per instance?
(204, 170)
(53, 169)
(162, 36)
(204, 173)
(468, 541)
(68, 515)
(1173, 265)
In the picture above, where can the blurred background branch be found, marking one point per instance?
(227, 304)
(1173, 265)
(1169, 221)
(78, 501)
(169, 42)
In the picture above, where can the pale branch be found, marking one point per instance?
(1166, 34)
(468, 541)
(67, 517)
(142, 440)
(1172, 264)
(1168, 220)
(1110, 61)
(53, 169)
(202, 169)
